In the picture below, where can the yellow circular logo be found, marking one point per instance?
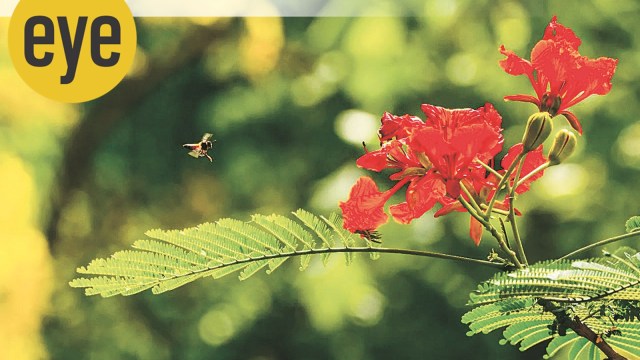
(72, 50)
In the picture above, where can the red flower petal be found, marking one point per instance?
(491, 116)
(559, 32)
(398, 127)
(554, 63)
(475, 231)
(392, 154)
(443, 118)
(373, 160)
(523, 98)
(514, 64)
(573, 121)
(449, 206)
(508, 159)
(453, 138)
(452, 151)
(422, 195)
(591, 77)
(363, 211)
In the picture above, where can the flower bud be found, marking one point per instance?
(538, 129)
(563, 146)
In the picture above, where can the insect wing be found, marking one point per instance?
(195, 153)
(206, 137)
(191, 146)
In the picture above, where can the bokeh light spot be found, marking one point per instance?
(565, 180)
(628, 147)
(462, 69)
(355, 126)
(216, 328)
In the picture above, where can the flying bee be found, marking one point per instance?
(200, 149)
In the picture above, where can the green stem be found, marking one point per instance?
(502, 182)
(516, 235)
(512, 191)
(360, 250)
(489, 169)
(532, 173)
(512, 217)
(472, 200)
(496, 211)
(504, 231)
(494, 232)
(600, 243)
(629, 265)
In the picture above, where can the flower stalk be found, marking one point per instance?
(532, 173)
(501, 184)
(494, 232)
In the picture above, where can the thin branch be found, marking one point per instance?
(600, 243)
(516, 236)
(367, 249)
(581, 329)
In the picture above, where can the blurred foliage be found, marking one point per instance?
(284, 98)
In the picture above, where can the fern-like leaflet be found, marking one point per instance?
(170, 259)
(603, 293)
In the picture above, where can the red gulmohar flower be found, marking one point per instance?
(453, 139)
(431, 156)
(560, 76)
(434, 157)
(363, 211)
(422, 193)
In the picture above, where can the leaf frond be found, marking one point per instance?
(170, 259)
(564, 281)
(633, 224)
(604, 293)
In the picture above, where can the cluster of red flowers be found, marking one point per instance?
(436, 158)
(441, 159)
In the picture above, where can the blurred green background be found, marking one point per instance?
(290, 100)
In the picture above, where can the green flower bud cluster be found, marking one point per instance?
(539, 127)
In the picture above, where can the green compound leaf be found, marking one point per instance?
(604, 293)
(627, 343)
(633, 224)
(170, 259)
(566, 281)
